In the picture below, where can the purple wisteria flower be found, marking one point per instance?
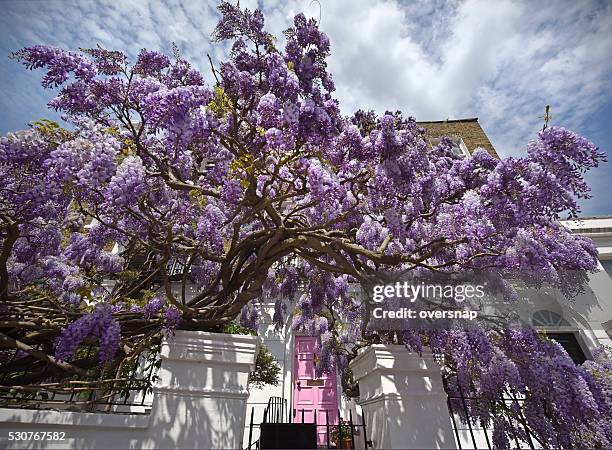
(247, 182)
(99, 325)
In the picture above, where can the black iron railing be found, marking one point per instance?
(460, 405)
(276, 410)
(336, 435)
(252, 444)
(26, 382)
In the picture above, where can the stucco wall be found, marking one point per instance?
(199, 402)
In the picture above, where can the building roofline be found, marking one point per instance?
(598, 226)
(470, 119)
(579, 218)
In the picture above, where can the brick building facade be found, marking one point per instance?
(467, 129)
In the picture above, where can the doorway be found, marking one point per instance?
(315, 400)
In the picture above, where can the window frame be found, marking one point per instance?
(458, 140)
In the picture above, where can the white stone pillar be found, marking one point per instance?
(200, 397)
(403, 399)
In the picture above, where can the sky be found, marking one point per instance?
(500, 61)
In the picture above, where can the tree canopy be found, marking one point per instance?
(217, 189)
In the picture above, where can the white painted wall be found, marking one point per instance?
(199, 402)
(403, 398)
(593, 310)
(280, 345)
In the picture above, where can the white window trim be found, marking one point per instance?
(458, 141)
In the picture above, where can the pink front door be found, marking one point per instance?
(312, 394)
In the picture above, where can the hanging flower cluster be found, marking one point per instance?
(176, 199)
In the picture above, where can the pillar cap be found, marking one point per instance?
(392, 358)
(201, 346)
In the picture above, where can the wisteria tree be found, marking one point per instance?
(176, 199)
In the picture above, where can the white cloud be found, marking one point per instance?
(501, 61)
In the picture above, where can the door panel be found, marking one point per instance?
(311, 394)
(305, 368)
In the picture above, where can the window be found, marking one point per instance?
(607, 265)
(175, 267)
(571, 345)
(459, 149)
(549, 320)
